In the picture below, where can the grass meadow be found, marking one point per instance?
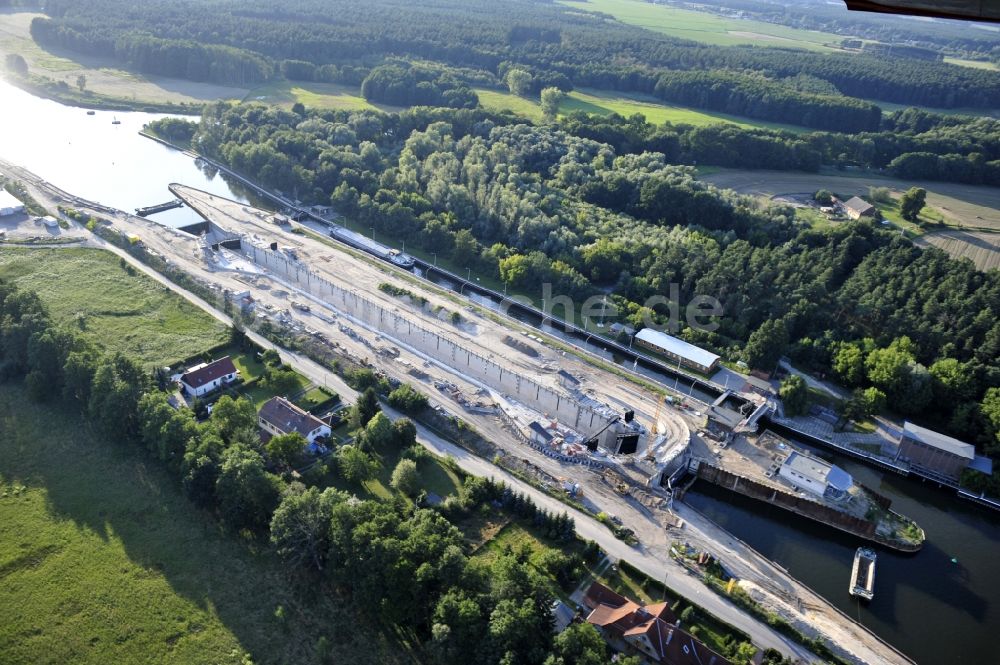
(708, 28)
(89, 291)
(599, 102)
(103, 560)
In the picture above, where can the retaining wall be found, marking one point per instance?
(407, 333)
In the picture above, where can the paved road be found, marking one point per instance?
(645, 559)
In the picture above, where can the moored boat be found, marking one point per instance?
(863, 574)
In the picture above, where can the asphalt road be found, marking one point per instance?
(651, 561)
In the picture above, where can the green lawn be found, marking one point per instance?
(708, 28)
(927, 216)
(314, 95)
(103, 560)
(87, 290)
(603, 103)
(975, 64)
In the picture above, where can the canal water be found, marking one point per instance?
(90, 157)
(936, 611)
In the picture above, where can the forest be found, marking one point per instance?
(545, 38)
(393, 562)
(528, 204)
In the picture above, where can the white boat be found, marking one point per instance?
(863, 574)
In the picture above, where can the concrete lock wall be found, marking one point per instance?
(412, 335)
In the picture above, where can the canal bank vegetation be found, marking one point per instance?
(422, 176)
(715, 577)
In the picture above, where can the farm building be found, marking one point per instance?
(9, 204)
(936, 453)
(815, 475)
(677, 349)
(856, 208)
(203, 379)
(279, 416)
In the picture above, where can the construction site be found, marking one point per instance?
(571, 422)
(547, 395)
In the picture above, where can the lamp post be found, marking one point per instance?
(373, 234)
(435, 258)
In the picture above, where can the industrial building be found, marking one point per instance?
(816, 476)
(936, 453)
(9, 204)
(678, 350)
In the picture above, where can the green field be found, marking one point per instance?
(889, 107)
(314, 95)
(102, 560)
(605, 103)
(975, 64)
(88, 290)
(706, 27)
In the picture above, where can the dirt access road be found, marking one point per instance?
(778, 590)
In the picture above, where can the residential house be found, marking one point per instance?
(856, 208)
(203, 379)
(650, 631)
(279, 416)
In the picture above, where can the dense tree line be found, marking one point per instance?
(537, 204)
(401, 565)
(407, 85)
(910, 143)
(757, 97)
(178, 58)
(493, 37)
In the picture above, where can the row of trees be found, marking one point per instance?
(759, 97)
(536, 204)
(408, 85)
(547, 40)
(400, 565)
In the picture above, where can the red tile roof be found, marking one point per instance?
(654, 624)
(210, 372)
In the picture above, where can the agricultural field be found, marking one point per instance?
(706, 27)
(971, 207)
(983, 249)
(115, 308)
(102, 560)
(605, 103)
(975, 64)
(103, 76)
(314, 95)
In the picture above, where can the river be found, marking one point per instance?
(90, 157)
(936, 611)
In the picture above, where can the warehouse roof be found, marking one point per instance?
(940, 441)
(677, 347)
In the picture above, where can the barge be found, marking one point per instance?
(863, 574)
